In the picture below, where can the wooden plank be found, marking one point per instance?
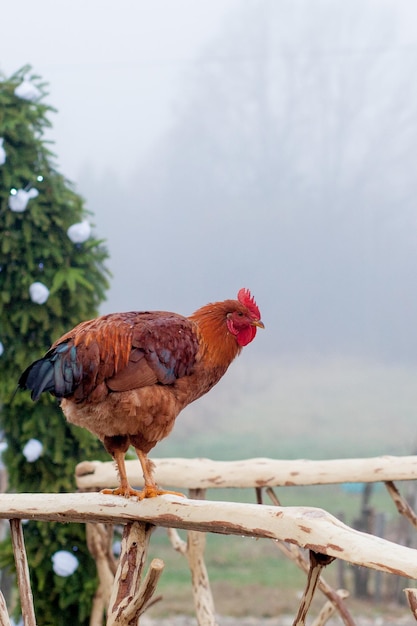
(307, 527)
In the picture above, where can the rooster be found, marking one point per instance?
(126, 376)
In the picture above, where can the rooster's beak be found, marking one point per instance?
(258, 323)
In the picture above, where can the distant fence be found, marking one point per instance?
(124, 596)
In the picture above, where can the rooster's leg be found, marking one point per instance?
(124, 488)
(151, 489)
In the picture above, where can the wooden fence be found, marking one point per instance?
(124, 593)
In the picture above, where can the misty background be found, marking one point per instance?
(269, 144)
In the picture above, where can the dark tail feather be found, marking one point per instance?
(38, 377)
(57, 372)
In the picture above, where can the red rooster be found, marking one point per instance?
(126, 376)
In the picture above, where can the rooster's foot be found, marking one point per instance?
(126, 492)
(152, 491)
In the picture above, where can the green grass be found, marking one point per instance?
(233, 564)
(237, 560)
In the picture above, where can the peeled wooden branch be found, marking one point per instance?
(129, 597)
(207, 474)
(329, 609)
(411, 595)
(177, 543)
(335, 598)
(193, 549)
(146, 598)
(402, 505)
(22, 572)
(317, 562)
(203, 600)
(307, 527)
(99, 537)
(4, 615)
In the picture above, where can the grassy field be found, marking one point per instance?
(314, 409)
(236, 566)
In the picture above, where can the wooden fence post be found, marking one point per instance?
(4, 615)
(22, 572)
(129, 598)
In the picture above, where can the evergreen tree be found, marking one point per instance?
(48, 283)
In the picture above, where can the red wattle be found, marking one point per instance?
(246, 335)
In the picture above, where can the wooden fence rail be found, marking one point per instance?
(261, 472)
(293, 528)
(307, 527)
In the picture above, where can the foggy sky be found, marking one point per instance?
(113, 69)
(227, 143)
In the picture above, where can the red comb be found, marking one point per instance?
(244, 296)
